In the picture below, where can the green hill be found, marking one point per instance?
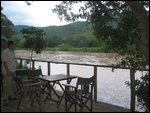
(62, 31)
(77, 34)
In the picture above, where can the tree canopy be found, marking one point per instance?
(132, 28)
(100, 13)
(6, 30)
(6, 26)
(34, 38)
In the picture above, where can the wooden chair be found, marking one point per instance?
(21, 75)
(80, 94)
(33, 75)
(29, 86)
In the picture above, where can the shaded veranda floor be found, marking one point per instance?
(50, 106)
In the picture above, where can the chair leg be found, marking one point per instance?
(84, 104)
(71, 100)
(32, 96)
(81, 102)
(75, 104)
(19, 102)
(91, 105)
(66, 103)
(32, 100)
(39, 100)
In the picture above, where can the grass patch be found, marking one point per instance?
(83, 49)
(62, 47)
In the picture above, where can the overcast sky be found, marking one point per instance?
(38, 14)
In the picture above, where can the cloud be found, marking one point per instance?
(38, 14)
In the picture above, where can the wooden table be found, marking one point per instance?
(55, 79)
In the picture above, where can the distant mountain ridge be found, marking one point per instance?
(78, 27)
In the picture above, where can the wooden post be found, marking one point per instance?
(68, 71)
(132, 79)
(48, 68)
(20, 63)
(95, 84)
(33, 64)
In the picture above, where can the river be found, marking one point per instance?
(111, 85)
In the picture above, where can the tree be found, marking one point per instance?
(53, 41)
(143, 17)
(100, 13)
(132, 20)
(80, 40)
(143, 86)
(34, 39)
(6, 29)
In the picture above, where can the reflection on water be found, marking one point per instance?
(111, 85)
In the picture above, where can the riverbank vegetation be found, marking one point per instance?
(73, 49)
(77, 37)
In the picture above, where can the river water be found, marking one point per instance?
(111, 86)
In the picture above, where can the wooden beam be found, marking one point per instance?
(95, 84)
(48, 68)
(68, 71)
(132, 79)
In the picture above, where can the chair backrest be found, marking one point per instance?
(22, 73)
(85, 83)
(34, 74)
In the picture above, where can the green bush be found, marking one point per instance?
(64, 47)
(142, 92)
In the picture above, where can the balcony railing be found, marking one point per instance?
(132, 75)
